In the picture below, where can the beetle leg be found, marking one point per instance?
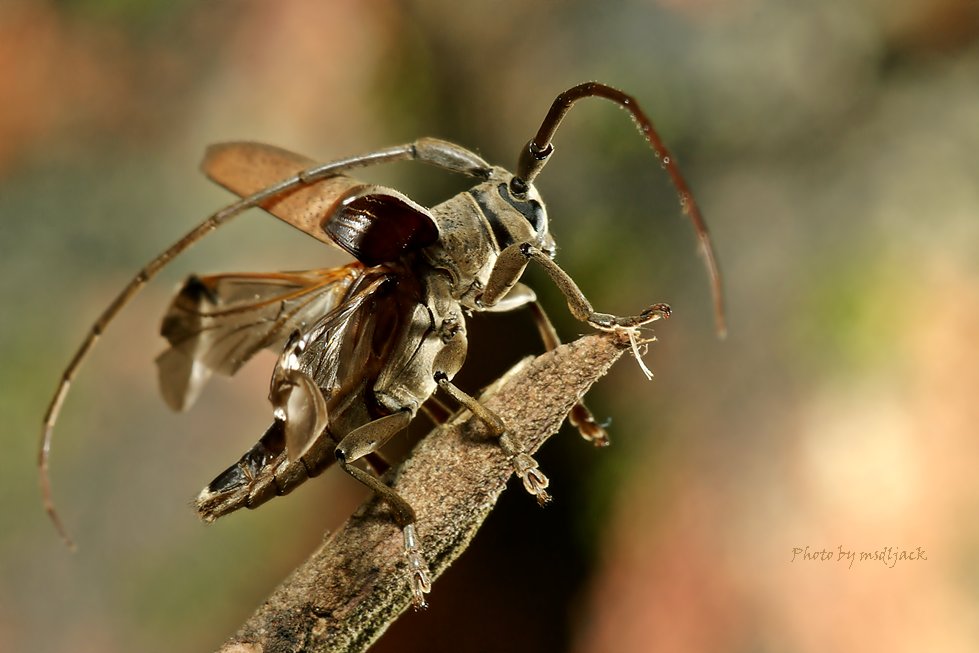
(534, 481)
(580, 417)
(510, 265)
(364, 441)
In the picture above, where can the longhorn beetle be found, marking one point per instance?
(365, 346)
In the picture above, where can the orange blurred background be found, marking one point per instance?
(834, 149)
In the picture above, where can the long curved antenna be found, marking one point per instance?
(397, 153)
(539, 149)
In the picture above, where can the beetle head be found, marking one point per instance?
(515, 217)
(538, 150)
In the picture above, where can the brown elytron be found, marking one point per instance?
(364, 347)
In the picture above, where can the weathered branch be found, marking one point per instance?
(348, 592)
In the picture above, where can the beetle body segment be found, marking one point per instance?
(475, 227)
(376, 354)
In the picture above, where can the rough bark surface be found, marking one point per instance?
(356, 584)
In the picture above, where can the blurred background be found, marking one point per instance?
(833, 146)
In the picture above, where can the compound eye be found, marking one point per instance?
(531, 210)
(535, 216)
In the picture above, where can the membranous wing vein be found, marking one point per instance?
(217, 323)
(321, 389)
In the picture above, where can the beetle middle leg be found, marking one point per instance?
(534, 480)
(363, 441)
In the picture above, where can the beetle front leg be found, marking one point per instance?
(511, 264)
(534, 480)
(580, 417)
(368, 439)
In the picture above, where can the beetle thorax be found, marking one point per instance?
(475, 226)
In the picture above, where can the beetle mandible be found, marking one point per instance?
(364, 347)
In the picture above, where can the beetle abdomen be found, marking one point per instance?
(262, 473)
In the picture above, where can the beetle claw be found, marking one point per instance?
(582, 419)
(607, 322)
(534, 480)
(419, 576)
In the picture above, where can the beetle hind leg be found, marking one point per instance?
(420, 577)
(364, 441)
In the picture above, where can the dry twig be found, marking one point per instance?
(347, 593)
